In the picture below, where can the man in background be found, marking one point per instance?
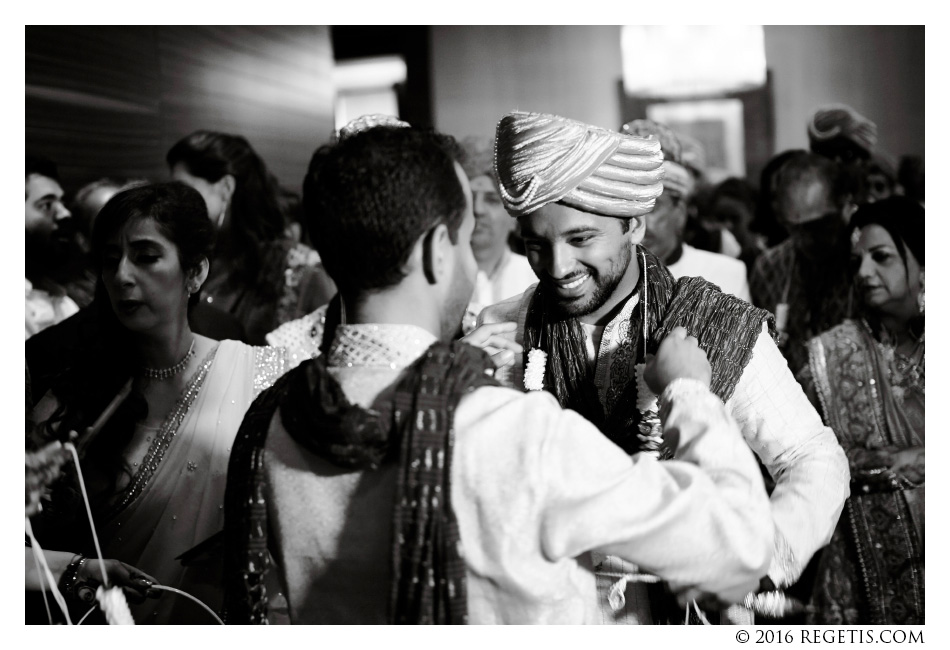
(666, 223)
(502, 273)
(804, 280)
(49, 246)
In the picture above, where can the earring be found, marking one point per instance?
(920, 295)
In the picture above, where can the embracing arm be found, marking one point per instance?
(801, 454)
(700, 522)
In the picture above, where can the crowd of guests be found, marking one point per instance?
(271, 411)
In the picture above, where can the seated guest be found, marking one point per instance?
(259, 274)
(396, 482)
(866, 376)
(155, 472)
(49, 241)
(501, 272)
(666, 223)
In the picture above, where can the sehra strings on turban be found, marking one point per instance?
(540, 159)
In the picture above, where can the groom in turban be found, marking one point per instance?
(603, 303)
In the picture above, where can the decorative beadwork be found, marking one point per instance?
(269, 363)
(158, 447)
(379, 346)
(171, 371)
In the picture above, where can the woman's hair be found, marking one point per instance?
(902, 218)
(101, 361)
(256, 217)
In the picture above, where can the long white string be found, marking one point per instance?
(85, 499)
(40, 558)
(95, 538)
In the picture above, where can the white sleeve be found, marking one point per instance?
(801, 454)
(699, 521)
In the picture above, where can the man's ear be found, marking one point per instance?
(638, 229)
(436, 251)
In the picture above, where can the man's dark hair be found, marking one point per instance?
(804, 168)
(41, 165)
(368, 199)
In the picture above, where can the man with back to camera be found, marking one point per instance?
(602, 304)
(394, 481)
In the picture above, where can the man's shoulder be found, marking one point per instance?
(506, 310)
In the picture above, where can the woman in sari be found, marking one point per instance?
(156, 471)
(867, 378)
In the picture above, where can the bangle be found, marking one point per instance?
(70, 578)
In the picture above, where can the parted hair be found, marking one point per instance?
(368, 198)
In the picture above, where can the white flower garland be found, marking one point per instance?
(534, 372)
(651, 431)
(114, 606)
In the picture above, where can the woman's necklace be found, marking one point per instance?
(171, 371)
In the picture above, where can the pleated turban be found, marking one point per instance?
(540, 159)
(676, 179)
(840, 120)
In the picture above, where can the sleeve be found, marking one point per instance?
(802, 455)
(699, 521)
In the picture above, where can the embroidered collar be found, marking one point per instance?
(379, 345)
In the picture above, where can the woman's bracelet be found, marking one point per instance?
(70, 579)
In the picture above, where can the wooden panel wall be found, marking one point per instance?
(112, 100)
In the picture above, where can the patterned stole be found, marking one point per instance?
(725, 326)
(415, 426)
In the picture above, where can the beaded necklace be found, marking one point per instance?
(156, 451)
(171, 371)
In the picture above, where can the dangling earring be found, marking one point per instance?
(920, 294)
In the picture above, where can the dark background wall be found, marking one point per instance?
(112, 100)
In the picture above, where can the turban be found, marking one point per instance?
(839, 120)
(366, 122)
(676, 178)
(540, 159)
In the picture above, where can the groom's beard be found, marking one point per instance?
(604, 287)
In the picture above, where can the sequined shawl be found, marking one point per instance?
(412, 427)
(725, 326)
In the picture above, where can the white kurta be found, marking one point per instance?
(535, 489)
(777, 421)
(728, 273)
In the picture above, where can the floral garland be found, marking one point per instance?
(650, 430)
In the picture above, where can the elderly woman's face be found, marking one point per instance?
(881, 278)
(142, 274)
